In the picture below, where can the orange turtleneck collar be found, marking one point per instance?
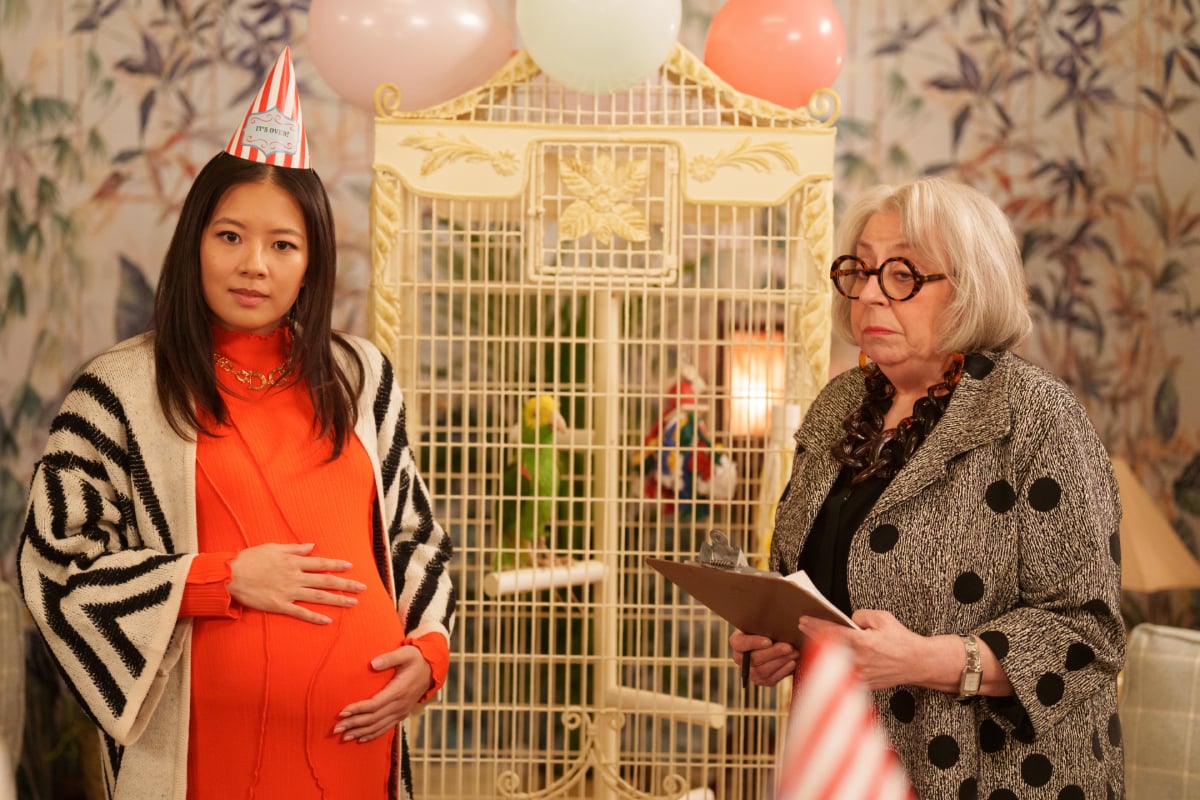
(250, 359)
(259, 352)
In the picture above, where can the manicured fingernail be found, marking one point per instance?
(348, 738)
(338, 729)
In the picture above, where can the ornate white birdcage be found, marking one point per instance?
(653, 261)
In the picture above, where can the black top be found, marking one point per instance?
(827, 550)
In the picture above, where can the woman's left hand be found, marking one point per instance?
(887, 653)
(371, 718)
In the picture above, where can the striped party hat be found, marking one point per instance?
(835, 747)
(273, 129)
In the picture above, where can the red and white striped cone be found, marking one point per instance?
(834, 747)
(272, 131)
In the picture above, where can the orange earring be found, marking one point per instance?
(955, 373)
(863, 362)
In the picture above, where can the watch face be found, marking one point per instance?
(971, 682)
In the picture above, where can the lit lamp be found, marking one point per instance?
(756, 380)
(1152, 556)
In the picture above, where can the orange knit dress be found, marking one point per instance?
(267, 688)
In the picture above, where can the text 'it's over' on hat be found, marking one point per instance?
(272, 131)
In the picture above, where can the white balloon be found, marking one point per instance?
(597, 47)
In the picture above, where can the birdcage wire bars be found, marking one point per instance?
(576, 670)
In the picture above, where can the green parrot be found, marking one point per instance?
(531, 487)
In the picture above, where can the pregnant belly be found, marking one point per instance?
(279, 684)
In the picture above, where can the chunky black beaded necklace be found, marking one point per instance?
(872, 452)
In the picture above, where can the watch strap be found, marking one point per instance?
(972, 674)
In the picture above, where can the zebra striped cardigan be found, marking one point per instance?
(110, 533)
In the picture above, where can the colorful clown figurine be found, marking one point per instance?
(679, 462)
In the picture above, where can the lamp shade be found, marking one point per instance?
(757, 379)
(1152, 556)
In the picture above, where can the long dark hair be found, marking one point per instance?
(183, 343)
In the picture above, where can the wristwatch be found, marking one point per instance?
(972, 674)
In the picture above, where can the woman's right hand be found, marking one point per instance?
(770, 662)
(273, 577)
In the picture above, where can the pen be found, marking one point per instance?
(746, 670)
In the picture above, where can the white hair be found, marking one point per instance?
(958, 230)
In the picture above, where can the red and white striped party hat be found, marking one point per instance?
(273, 129)
(835, 748)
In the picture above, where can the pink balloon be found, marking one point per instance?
(779, 50)
(432, 49)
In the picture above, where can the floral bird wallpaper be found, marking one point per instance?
(1082, 119)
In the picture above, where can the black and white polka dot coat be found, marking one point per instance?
(1003, 524)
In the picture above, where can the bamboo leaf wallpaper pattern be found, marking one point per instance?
(1080, 118)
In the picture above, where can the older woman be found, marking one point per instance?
(956, 501)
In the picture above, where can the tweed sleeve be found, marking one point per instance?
(96, 560)
(419, 548)
(1066, 639)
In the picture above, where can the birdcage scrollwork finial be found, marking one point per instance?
(387, 99)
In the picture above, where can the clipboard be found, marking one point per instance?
(755, 602)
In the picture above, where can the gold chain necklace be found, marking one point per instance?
(257, 381)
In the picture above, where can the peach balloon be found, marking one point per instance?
(779, 50)
(432, 50)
